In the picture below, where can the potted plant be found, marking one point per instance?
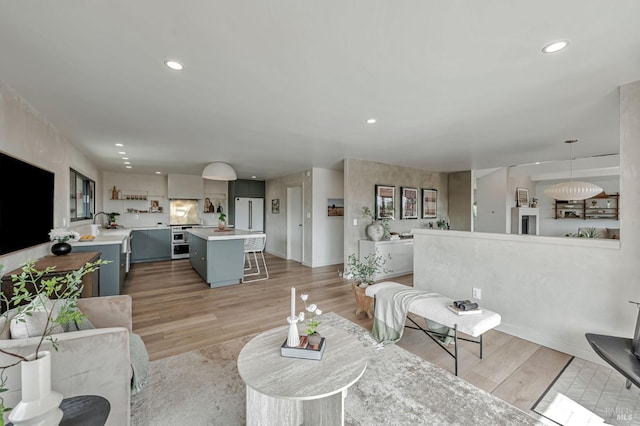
(31, 298)
(61, 235)
(112, 219)
(312, 323)
(363, 273)
(222, 221)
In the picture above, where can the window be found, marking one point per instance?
(82, 191)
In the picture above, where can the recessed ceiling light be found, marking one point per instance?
(158, 173)
(127, 162)
(253, 177)
(125, 158)
(555, 46)
(128, 167)
(122, 153)
(119, 144)
(174, 65)
(371, 121)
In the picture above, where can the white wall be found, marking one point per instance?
(491, 199)
(276, 224)
(26, 135)
(156, 188)
(327, 231)
(550, 290)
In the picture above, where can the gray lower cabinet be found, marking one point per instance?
(220, 262)
(112, 275)
(150, 245)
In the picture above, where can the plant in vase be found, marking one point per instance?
(222, 221)
(31, 311)
(363, 273)
(61, 236)
(311, 322)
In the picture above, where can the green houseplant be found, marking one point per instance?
(222, 218)
(363, 271)
(31, 300)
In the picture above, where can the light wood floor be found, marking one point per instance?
(174, 311)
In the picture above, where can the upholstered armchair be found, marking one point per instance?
(87, 362)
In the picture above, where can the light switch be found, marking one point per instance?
(308, 215)
(355, 222)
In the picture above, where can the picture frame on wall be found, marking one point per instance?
(429, 203)
(522, 197)
(335, 207)
(385, 202)
(275, 206)
(409, 203)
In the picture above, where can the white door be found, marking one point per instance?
(294, 223)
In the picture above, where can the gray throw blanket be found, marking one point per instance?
(139, 363)
(392, 307)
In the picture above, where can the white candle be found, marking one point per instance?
(293, 302)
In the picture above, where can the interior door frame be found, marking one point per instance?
(290, 222)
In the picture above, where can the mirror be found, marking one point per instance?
(82, 192)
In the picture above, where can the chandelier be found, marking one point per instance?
(572, 191)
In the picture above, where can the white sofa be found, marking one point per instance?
(88, 362)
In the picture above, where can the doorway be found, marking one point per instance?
(295, 226)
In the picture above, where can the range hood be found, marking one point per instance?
(185, 187)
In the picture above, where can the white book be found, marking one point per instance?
(461, 312)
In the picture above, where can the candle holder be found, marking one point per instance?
(293, 339)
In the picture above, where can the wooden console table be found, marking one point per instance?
(64, 265)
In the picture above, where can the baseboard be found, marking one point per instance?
(585, 353)
(276, 254)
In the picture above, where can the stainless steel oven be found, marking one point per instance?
(180, 241)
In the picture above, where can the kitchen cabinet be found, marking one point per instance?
(150, 245)
(63, 265)
(190, 187)
(198, 255)
(246, 188)
(112, 275)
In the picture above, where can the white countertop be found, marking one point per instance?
(214, 234)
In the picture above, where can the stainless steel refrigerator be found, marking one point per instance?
(249, 214)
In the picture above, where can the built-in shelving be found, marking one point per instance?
(602, 206)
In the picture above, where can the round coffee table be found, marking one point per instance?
(292, 391)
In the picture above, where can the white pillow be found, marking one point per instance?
(24, 326)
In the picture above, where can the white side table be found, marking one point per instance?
(291, 391)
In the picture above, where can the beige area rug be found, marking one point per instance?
(398, 388)
(585, 393)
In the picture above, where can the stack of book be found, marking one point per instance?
(465, 307)
(304, 349)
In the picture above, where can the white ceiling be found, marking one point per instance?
(275, 87)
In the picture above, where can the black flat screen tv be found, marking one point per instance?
(26, 204)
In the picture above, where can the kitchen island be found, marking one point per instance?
(218, 256)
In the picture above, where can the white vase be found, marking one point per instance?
(375, 231)
(39, 404)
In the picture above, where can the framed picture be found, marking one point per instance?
(429, 203)
(275, 206)
(409, 203)
(335, 207)
(214, 203)
(522, 197)
(385, 201)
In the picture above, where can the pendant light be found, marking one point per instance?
(572, 191)
(219, 171)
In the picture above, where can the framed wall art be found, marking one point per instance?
(409, 203)
(275, 206)
(335, 207)
(522, 197)
(429, 203)
(385, 201)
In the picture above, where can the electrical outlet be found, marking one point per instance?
(476, 293)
